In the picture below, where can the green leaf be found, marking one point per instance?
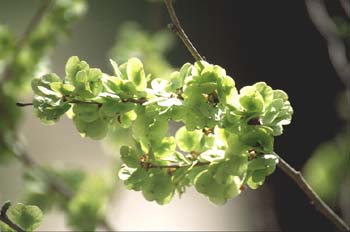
(96, 129)
(73, 66)
(251, 100)
(86, 112)
(28, 217)
(41, 86)
(136, 74)
(158, 187)
(257, 138)
(129, 156)
(165, 148)
(265, 91)
(188, 140)
(115, 68)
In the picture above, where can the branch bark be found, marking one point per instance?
(319, 204)
(175, 26)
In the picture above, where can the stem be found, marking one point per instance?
(175, 26)
(74, 101)
(33, 24)
(6, 220)
(319, 204)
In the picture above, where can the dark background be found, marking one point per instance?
(275, 42)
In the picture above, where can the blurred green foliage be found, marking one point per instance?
(327, 167)
(149, 47)
(329, 163)
(21, 60)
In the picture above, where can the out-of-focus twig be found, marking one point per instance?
(57, 184)
(336, 48)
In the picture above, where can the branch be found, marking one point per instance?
(6, 220)
(74, 101)
(319, 204)
(175, 26)
(56, 184)
(33, 24)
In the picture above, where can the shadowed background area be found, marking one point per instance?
(271, 41)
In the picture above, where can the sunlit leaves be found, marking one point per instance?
(226, 140)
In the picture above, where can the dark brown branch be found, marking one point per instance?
(319, 204)
(33, 24)
(6, 220)
(175, 26)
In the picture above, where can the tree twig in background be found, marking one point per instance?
(175, 26)
(336, 48)
(33, 23)
(319, 204)
(6, 220)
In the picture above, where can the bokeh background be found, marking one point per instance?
(272, 41)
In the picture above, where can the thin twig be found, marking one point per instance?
(74, 101)
(33, 24)
(319, 204)
(4, 218)
(176, 27)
